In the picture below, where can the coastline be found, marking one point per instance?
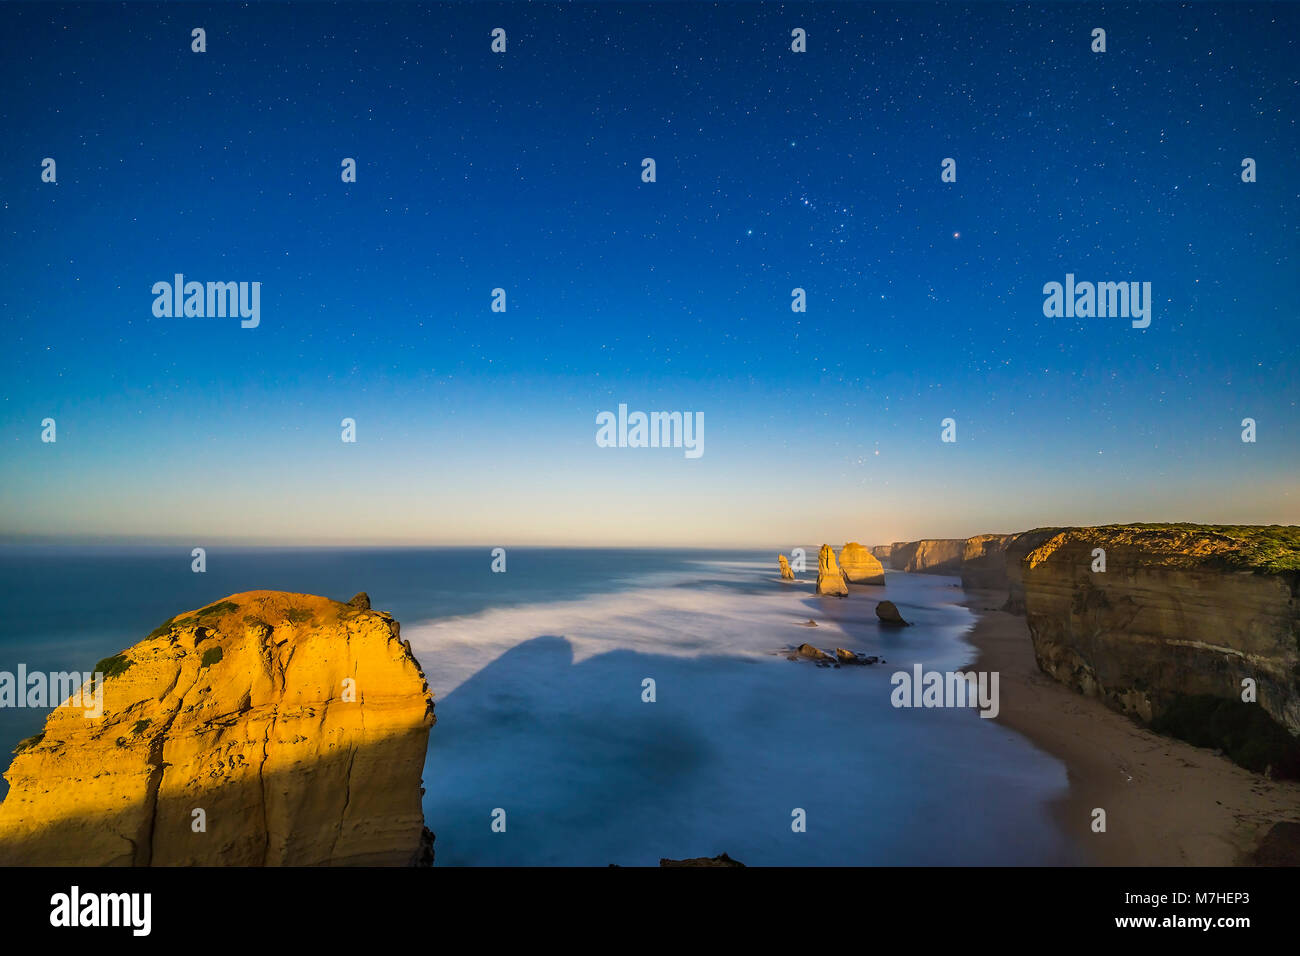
(726, 747)
(1167, 803)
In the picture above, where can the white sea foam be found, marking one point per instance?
(669, 621)
(540, 714)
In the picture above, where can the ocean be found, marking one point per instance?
(539, 675)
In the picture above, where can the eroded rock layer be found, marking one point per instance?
(1017, 548)
(265, 729)
(984, 562)
(929, 556)
(830, 579)
(860, 565)
(1179, 618)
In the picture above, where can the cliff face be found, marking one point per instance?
(1015, 551)
(881, 553)
(297, 725)
(1180, 616)
(984, 562)
(860, 565)
(929, 556)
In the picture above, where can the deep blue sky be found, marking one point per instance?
(522, 170)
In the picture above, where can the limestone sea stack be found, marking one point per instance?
(1181, 616)
(786, 573)
(888, 614)
(830, 579)
(265, 729)
(813, 653)
(860, 566)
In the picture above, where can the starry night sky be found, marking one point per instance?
(523, 171)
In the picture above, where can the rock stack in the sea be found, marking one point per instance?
(888, 614)
(1183, 625)
(860, 565)
(786, 573)
(830, 579)
(812, 653)
(851, 658)
(265, 729)
(809, 652)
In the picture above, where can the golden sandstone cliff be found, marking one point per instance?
(984, 561)
(1193, 629)
(860, 566)
(1017, 549)
(928, 556)
(264, 729)
(1167, 622)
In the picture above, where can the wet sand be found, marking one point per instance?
(1167, 803)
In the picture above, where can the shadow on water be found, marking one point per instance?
(590, 774)
(565, 749)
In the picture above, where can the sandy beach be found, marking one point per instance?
(1167, 803)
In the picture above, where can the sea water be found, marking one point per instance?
(546, 750)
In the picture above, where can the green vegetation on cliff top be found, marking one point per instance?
(112, 666)
(221, 607)
(1270, 549)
